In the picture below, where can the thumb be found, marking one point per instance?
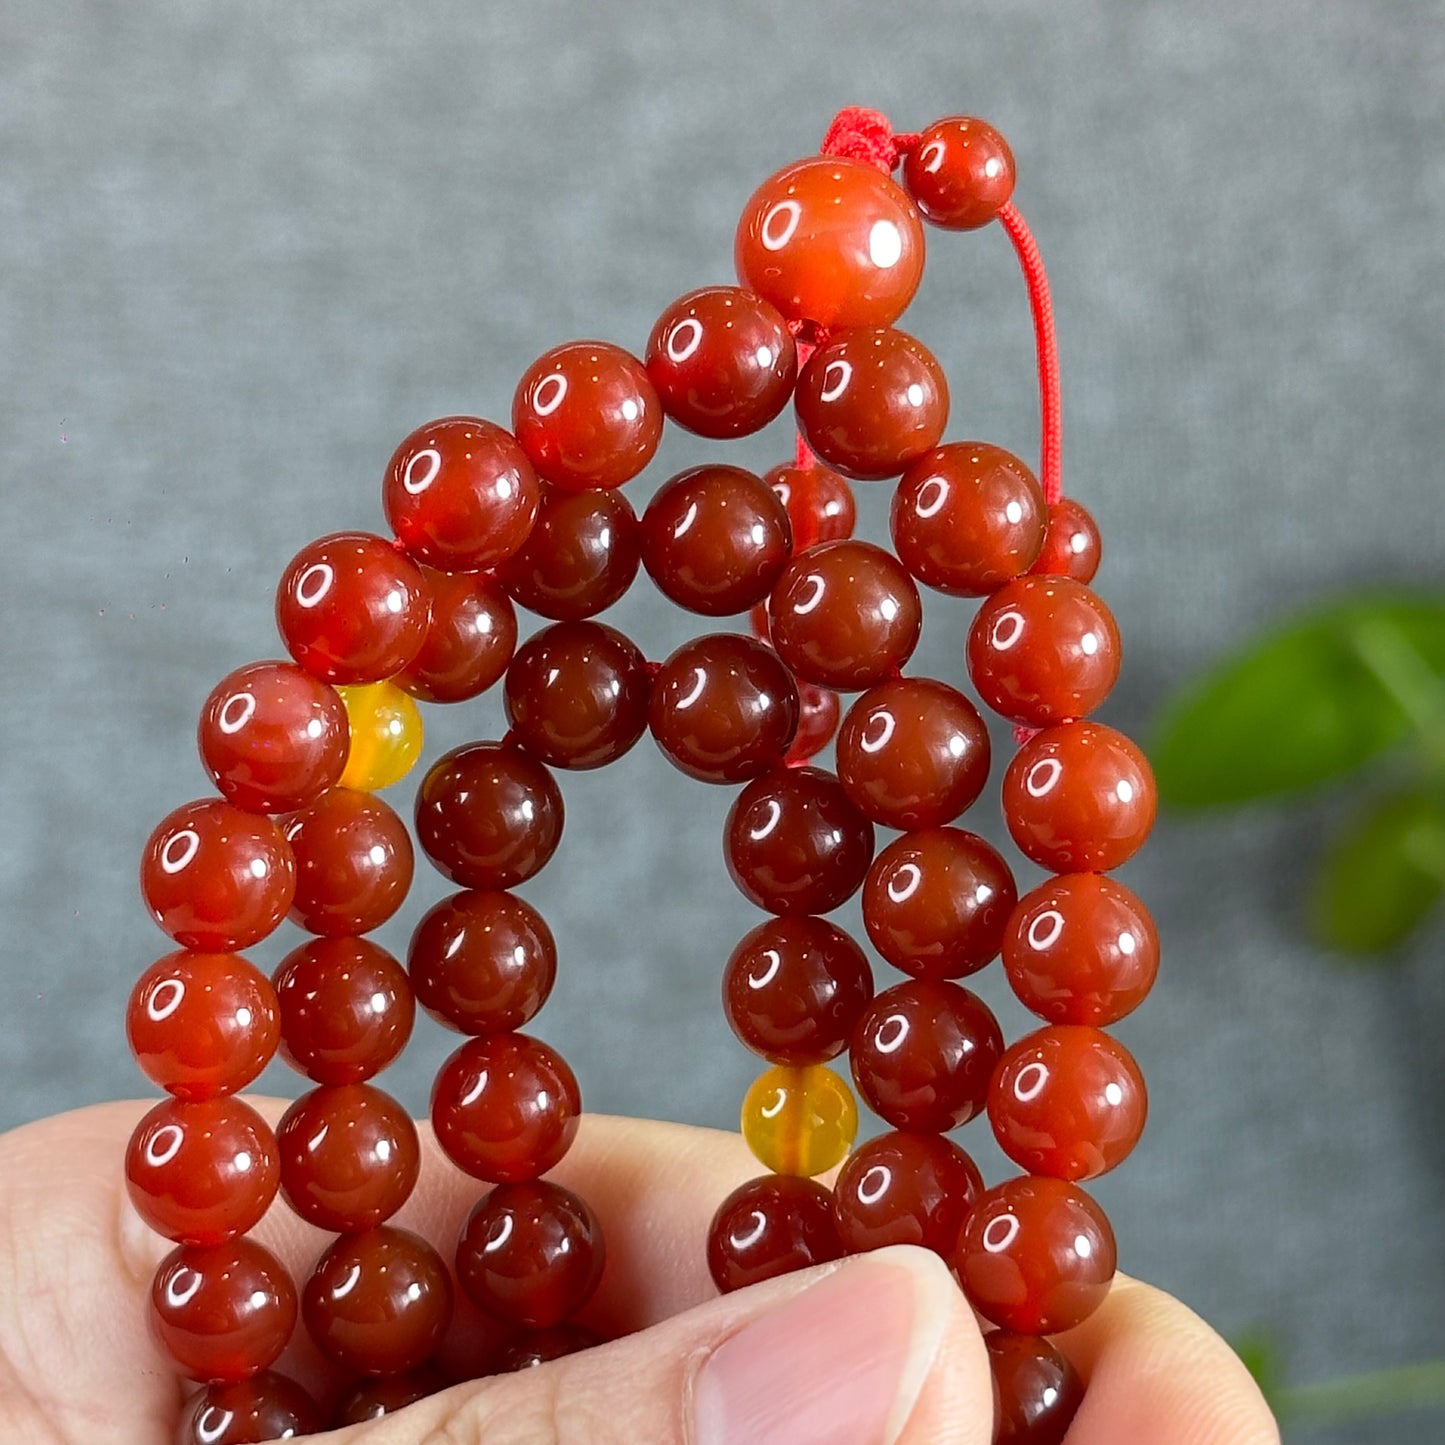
(880, 1349)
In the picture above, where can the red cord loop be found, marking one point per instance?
(860, 134)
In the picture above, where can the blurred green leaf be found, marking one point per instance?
(1259, 1352)
(1306, 703)
(1382, 875)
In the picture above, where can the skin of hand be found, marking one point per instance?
(880, 1349)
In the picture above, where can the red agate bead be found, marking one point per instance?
(273, 737)
(1037, 1390)
(833, 241)
(576, 695)
(1081, 949)
(794, 989)
(581, 557)
(482, 962)
(378, 1302)
(531, 1254)
(488, 815)
(505, 1107)
(819, 503)
(266, 1406)
(537, 1347)
(460, 494)
(845, 615)
(383, 1395)
(936, 902)
(1072, 546)
(724, 708)
(201, 1171)
(960, 172)
(966, 517)
(1079, 797)
(715, 539)
(469, 641)
(216, 878)
(346, 1009)
(587, 415)
(1036, 1255)
(872, 400)
(819, 709)
(1043, 650)
(723, 361)
(351, 608)
(903, 1188)
(771, 1226)
(202, 1024)
(223, 1311)
(795, 844)
(913, 753)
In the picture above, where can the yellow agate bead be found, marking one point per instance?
(386, 735)
(800, 1120)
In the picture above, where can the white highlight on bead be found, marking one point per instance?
(746, 1241)
(1052, 922)
(165, 998)
(314, 583)
(775, 962)
(813, 580)
(478, 1087)
(1089, 644)
(871, 1193)
(769, 233)
(630, 409)
(353, 1277)
(414, 481)
(501, 1233)
(994, 1241)
(190, 841)
(914, 393)
(1007, 628)
(875, 739)
(548, 393)
(1127, 944)
(931, 156)
(931, 497)
(889, 1035)
(1030, 1082)
(904, 883)
(1083, 1246)
(678, 348)
(164, 1144)
(699, 682)
(1113, 1094)
(780, 1102)
(1043, 777)
(231, 718)
(885, 245)
(1124, 791)
(775, 811)
(182, 1287)
(836, 376)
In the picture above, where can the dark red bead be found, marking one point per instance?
(794, 988)
(819, 709)
(923, 1054)
(795, 844)
(1072, 546)
(482, 962)
(469, 641)
(771, 1226)
(905, 1189)
(819, 503)
(1037, 1390)
(267, 1406)
(505, 1107)
(960, 172)
(460, 494)
(489, 815)
(531, 1254)
(576, 695)
(384, 1395)
(351, 608)
(273, 737)
(539, 1347)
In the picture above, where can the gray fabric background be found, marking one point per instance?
(245, 248)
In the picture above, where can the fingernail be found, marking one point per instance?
(839, 1364)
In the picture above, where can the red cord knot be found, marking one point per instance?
(651, 669)
(860, 134)
(1023, 734)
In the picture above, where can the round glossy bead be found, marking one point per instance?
(505, 1107)
(799, 1120)
(222, 1311)
(383, 1395)
(346, 1009)
(201, 1171)
(795, 844)
(936, 903)
(488, 815)
(1036, 1256)
(537, 1347)
(460, 494)
(378, 1302)
(819, 503)
(771, 1226)
(905, 1189)
(913, 753)
(1038, 1391)
(267, 1406)
(386, 735)
(482, 962)
(1081, 949)
(216, 878)
(724, 708)
(961, 173)
(351, 608)
(923, 1055)
(349, 1157)
(819, 709)
(354, 863)
(576, 695)
(1068, 1101)
(845, 615)
(872, 401)
(715, 539)
(587, 415)
(1072, 546)
(833, 241)
(530, 1253)
(469, 642)
(202, 1024)
(272, 737)
(583, 553)
(966, 517)
(723, 361)
(1043, 650)
(1079, 797)
(794, 989)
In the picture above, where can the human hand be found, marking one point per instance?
(876, 1350)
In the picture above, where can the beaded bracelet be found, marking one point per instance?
(829, 252)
